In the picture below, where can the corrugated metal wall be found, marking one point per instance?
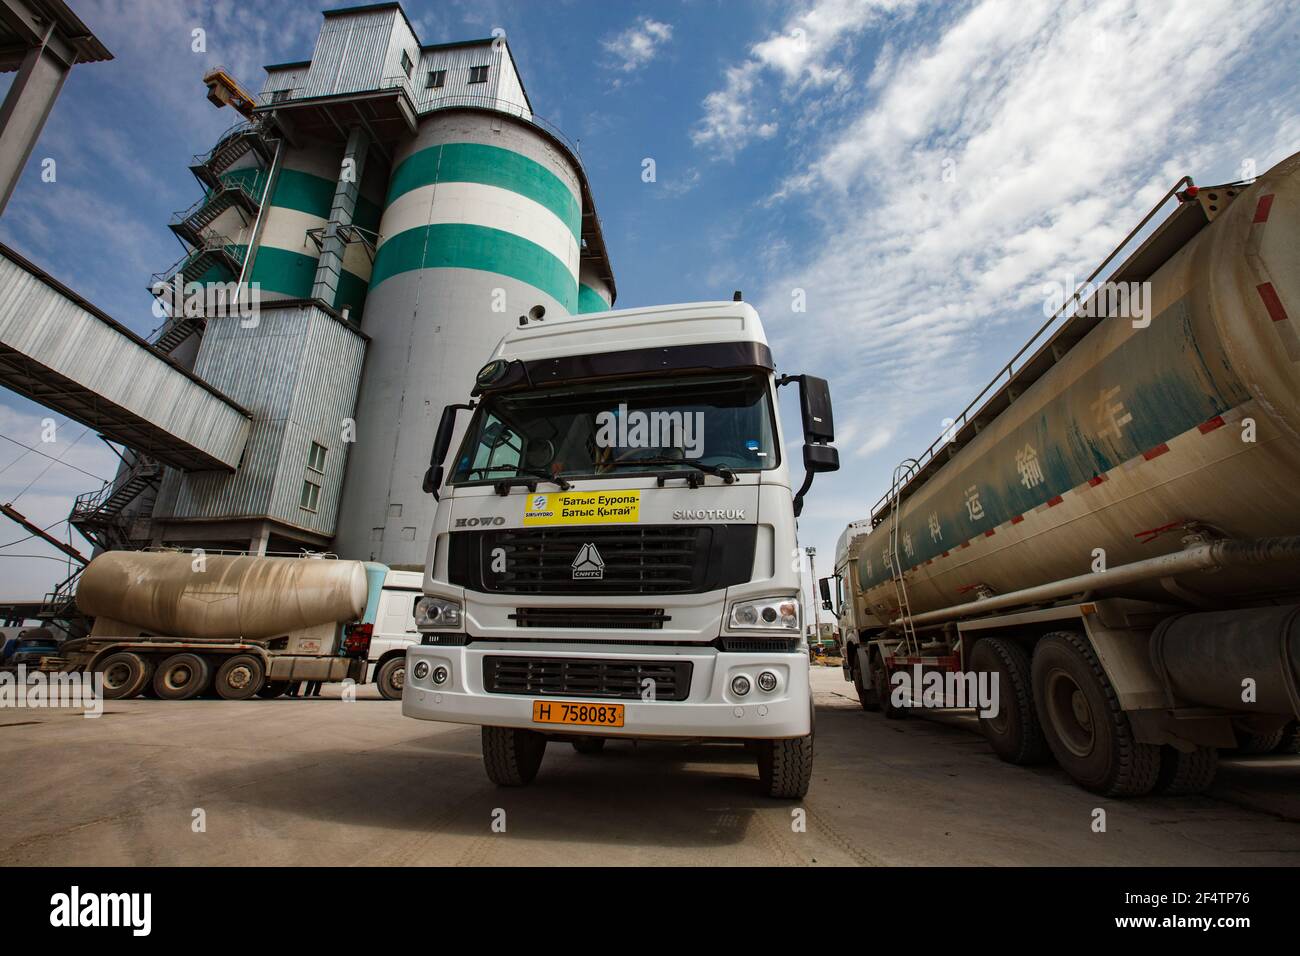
(352, 53)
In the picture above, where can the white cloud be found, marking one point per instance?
(808, 54)
(636, 46)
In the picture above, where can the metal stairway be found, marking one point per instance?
(190, 224)
(211, 249)
(233, 144)
(176, 331)
(98, 514)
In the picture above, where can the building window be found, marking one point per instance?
(310, 499)
(316, 458)
(407, 65)
(279, 96)
(478, 74)
(435, 80)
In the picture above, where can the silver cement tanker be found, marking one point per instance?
(1131, 478)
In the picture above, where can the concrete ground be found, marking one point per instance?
(327, 782)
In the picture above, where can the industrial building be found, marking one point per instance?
(391, 209)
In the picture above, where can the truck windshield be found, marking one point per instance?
(604, 428)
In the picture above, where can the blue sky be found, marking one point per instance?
(919, 171)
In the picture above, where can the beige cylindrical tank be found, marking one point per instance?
(1137, 432)
(230, 597)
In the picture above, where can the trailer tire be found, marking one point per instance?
(589, 745)
(1250, 743)
(1086, 729)
(239, 677)
(868, 697)
(1290, 743)
(512, 756)
(272, 688)
(1186, 773)
(1015, 734)
(391, 678)
(181, 677)
(880, 680)
(125, 674)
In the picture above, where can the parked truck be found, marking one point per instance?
(1112, 528)
(614, 554)
(175, 625)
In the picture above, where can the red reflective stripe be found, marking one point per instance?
(1215, 422)
(1271, 302)
(1261, 211)
(1155, 452)
(989, 533)
(1094, 481)
(1053, 502)
(1017, 519)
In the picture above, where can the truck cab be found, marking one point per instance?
(614, 552)
(389, 622)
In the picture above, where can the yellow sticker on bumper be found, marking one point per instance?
(583, 507)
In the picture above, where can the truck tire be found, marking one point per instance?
(181, 677)
(1087, 731)
(391, 678)
(1250, 743)
(125, 674)
(1182, 773)
(511, 756)
(239, 677)
(589, 745)
(884, 693)
(272, 689)
(1015, 734)
(785, 767)
(868, 697)
(1290, 742)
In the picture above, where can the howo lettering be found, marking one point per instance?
(611, 582)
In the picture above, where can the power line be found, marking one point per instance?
(59, 460)
(52, 458)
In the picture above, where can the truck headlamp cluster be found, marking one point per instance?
(437, 614)
(767, 614)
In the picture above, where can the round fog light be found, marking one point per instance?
(740, 685)
(440, 675)
(421, 670)
(767, 681)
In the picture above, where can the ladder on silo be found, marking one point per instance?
(902, 474)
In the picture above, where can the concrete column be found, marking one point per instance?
(25, 109)
(258, 542)
(326, 284)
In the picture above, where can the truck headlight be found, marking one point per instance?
(766, 614)
(436, 614)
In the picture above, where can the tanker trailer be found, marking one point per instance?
(1110, 532)
(175, 624)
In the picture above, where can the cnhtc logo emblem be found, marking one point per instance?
(588, 565)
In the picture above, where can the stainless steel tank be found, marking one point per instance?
(1133, 435)
(223, 597)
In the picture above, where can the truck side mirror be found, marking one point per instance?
(441, 442)
(815, 405)
(820, 458)
(824, 587)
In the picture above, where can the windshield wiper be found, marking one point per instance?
(693, 478)
(504, 485)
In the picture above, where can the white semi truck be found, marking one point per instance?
(614, 551)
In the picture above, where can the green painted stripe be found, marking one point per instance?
(589, 300)
(351, 293)
(488, 166)
(285, 272)
(455, 245)
(304, 192)
(367, 214)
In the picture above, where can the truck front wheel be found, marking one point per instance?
(239, 677)
(1086, 729)
(884, 693)
(181, 677)
(125, 674)
(1013, 732)
(868, 697)
(1185, 773)
(785, 767)
(511, 756)
(391, 677)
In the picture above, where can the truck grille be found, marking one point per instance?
(650, 559)
(578, 677)
(613, 618)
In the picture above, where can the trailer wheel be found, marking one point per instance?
(1182, 773)
(1087, 731)
(1290, 743)
(880, 680)
(239, 677)
(272, 689)
(1250, 743)
(125, 674)
(589, 745)
(1015, 734)
(391, 678)
(868, 697)
(511, 756)
(181, 677)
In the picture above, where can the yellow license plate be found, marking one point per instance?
(586, 715)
